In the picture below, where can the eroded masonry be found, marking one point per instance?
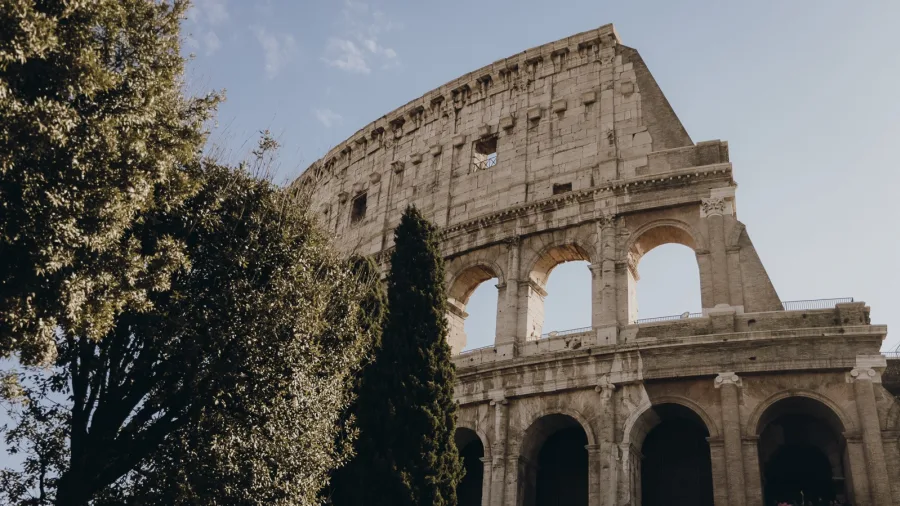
(570, 151)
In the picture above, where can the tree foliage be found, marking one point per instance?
(230, 388)
(406, 412)
(95, 132)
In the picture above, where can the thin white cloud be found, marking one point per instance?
(278, 49)
(212, 12)
(345, 55)
(328, 118)
(201, 18)
(357, 48)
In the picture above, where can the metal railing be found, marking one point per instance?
(891, 354)
(682, 316)
(487, 163)
(796, 305)
(557, 333)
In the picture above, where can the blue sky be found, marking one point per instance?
(803, 91)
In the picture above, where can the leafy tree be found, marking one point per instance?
(406, 412)
(229, 389)
(95, 132)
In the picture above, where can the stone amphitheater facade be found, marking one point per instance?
(570, 151)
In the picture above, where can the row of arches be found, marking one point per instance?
(669, 284)
(802, 455)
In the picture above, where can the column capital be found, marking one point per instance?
(728, 378)
(862, 374)
(868, 368)
(593, 449)
(502, 401)
(512, 241)
(715, 442)
(606, 221)
(532, 284)
(716, 206)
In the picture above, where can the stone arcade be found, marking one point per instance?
(570, 151)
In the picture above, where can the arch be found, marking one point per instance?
(642, 414)
(462, 283)
(651, 235)
(485, 442)
(537, 267)
(553, 460)
(551, 256)
(756, 422)
(659, 232)
(571, 413)
(473, 453)
(801, 447)
(468, 276)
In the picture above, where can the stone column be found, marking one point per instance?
(507, 326)
(728, 384)
(486, 481)
(717, 461)
(606, 314)
(858, 477)
(863, 377)
(595, 462)
(713, 210)
(628, 490)
(498, 451)
(751, 471)
(607, 468)
(891, 441)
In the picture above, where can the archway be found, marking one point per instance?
(802, 452)
(471, 451)
(478, 282)
(676, 469)
(554, 463)
(480, 324)
(568, 302)
(572, 296)
(669, 282)
(654, 236)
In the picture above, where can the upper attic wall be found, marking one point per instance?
(567, 116)
(665, 127)
(491, 79)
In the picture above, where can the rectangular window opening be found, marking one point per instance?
(358, 208)
(484, 154)
(562, 188)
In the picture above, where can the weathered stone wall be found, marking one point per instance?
(593, 164)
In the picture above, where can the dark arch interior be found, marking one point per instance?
(468, 491)
(801, 452)
(676, 469)
(562, 477)
(556, 463)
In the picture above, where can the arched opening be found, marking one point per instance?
(676, 469)
(669, 282)
(480, 324)
(676, 278)
(555, 463)
(561, 302)
(471, 451)
(802, 452)
(568, 302)
(472, 309)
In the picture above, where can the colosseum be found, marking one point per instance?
(570, 151)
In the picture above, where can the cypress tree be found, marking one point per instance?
(406, 413)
